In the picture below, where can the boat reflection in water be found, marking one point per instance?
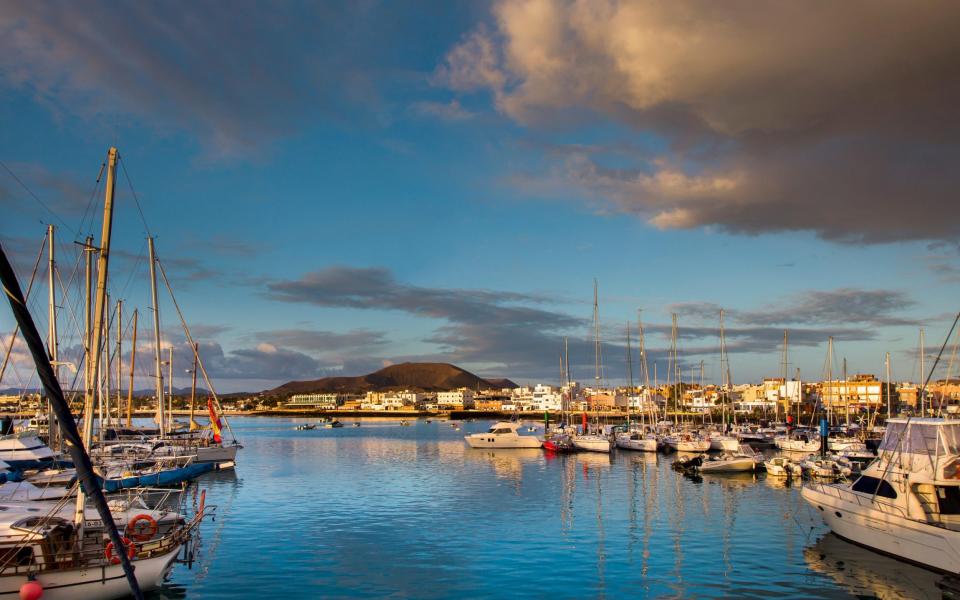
(506, 463)
(867, 574)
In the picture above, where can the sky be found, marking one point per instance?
(336, 188)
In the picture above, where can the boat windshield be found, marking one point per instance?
(922, 437)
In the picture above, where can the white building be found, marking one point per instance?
(455, 400)
(320, 401)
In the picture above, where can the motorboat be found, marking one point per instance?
(333, 425)
(782, 467)
(24, 450)
(845, 444)
(502, 435)
(906, 503)
(820, 468)
(306, 427)
(743, 461)
(799, 441)
(637, 441)
(560, 443)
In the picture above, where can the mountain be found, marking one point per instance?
(425, 377)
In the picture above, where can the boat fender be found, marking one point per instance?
(31, 590)
(113, 558)
(140, 532)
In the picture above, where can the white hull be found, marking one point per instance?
(593, 443)
(921, 543)
(476, 441)
(845, 445)
(93, 583)
(799, 446)
(736, 465)
(641, 445)
(689, 445)
(217, 454)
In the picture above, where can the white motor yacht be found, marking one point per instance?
(503, 435)
(744, 460)
(907, 502)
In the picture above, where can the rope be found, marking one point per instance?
(136, 200)
(35, 197)
(16, 329)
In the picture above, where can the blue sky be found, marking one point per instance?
(336, 189)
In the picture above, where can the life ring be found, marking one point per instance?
(113, 558)
(142, 533)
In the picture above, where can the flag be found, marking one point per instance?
(214, 422)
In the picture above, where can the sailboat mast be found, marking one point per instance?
(193, 386)
(87, 317)
(158, 371)
(598, 374)
(923, 395)
(133, 364)
(119, 357)
(99, 310)
(887, 361)
(846, 397)
(170, 384)
(53, 346)
(629, 374)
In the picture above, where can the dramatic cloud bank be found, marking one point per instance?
(836, 118)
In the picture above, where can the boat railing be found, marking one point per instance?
(849, 496)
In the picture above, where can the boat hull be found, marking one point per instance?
(739, 465)
(593, 444)
(724, 445)
(93, 583)
(641, 445)
(482, 440)
(920, 543)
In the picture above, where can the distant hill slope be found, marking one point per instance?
(425, 377)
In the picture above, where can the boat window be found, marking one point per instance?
(869, 485)
(948, 496)
(923, 439)
(502, 430)
(951, 438)
(893, 435)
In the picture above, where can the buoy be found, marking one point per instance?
(113, 558)
(31, 590)
(140, 533)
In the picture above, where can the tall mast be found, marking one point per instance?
(52, 343)
(158, 372)
(923, 395)
(99, 309)
(87, 320)
(674, 370)
(786, 367)
(119, 357)
(170, 383)
(629, 375)
(846, 397)
(830, 377)
(133, 363)
(887, 361)
(643, 363)
(724, 371)
(105, 368)
(598, 370)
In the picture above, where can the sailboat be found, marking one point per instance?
(637, 436)
(596, 441)
(61, 558)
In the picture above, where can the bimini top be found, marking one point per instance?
(928, 436)
(504, 427)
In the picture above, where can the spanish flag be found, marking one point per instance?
(214, 422)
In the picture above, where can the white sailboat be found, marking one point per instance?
(596, 441)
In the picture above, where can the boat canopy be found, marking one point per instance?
(922, 436)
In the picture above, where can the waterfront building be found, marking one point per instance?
(455, 400)
(317, 401)
(863, 391)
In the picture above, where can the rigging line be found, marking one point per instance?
(196, 354)
(34, 196)
(93, 195)
(136, 200)
(13, 337)
(133, 270)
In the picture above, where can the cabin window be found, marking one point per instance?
(948, 498)
(871, 485)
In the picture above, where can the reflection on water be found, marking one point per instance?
(383, 510)
(868, 574)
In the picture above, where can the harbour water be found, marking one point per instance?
(384, 510)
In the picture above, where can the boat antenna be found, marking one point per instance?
(68, 427)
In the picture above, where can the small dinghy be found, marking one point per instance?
(782, 467)
(305, 427)
(333, 424)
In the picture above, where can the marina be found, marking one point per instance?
(476, 522)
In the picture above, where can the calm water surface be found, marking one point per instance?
(411, 512)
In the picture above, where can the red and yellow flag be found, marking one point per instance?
(214, 422)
